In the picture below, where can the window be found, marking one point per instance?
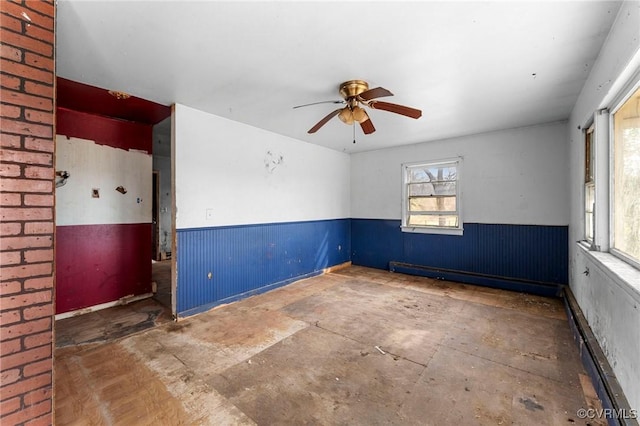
(625, 208)
(431, 197)
(589, 184)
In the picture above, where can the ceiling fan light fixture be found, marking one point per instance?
(346, 116)
(359, 114)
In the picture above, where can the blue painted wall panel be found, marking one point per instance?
(375, 242)
(527, 252)
(247, 258)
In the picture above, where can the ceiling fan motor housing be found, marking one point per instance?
(352, 88)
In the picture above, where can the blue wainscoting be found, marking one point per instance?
(250, 259)
(531, 258)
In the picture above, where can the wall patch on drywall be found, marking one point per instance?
(272, 161)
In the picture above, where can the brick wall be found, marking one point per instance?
(27, 182)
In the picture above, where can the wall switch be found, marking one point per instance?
(209, 215)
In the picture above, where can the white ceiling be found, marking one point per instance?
(471, 67)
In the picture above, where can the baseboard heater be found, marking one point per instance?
(506, 283)
(618, 412)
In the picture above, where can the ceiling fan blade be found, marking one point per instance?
(324, 120)
(398, 109)
(377, 92)
(318, 103)
(367, 127)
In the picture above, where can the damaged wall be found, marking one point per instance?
(103, 236)
(254, 209)
(609, 295)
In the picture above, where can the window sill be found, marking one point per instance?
(624, 275)
(428, 230)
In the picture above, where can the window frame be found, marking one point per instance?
(624, 95)
(589, 183)
(424, 229)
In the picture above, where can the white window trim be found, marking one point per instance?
(624, 95)
(433, 229)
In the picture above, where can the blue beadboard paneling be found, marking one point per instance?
(375, 242)
(247, 259)
(533, 253)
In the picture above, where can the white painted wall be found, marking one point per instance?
(515, 176)
(610, 295)
(105, 168)
(245, 175)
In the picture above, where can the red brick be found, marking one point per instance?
(10, 199)
(9, 376)
(26, 185)
(24, 271)
(40, 339)
(32, 414)
(24, 157)
(10, 405)
(36, 312)
(38, 116)
(10, 258)
(10, 82)
(36, 368)
(25, 128)
(10, 53)
(11, 23)
(23, 99)
(7, 229)
(10, 111)
(45, 145)
(38, 200)
(15, 331)
(35, 18)
(24, 299)
(34, 172)
(10, 287)
(10, 347)
(41, 7)
(9, 170)
(9, 317)
(10, 141)
(37, 396)
(31, 228)
(45, 420)
(38, 283)
(35, 256)
(38, 89)
(38, 61)
(26, 71)
(26, 213)
(33, 411)
(39, 33)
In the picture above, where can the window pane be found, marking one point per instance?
(626, 197)
(433, 220)
(444, 172)
(589, 192)
(434, 188)
(432, 204)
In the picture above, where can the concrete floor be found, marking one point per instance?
(306, 354)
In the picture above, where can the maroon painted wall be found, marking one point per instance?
(104, 130)
(102, 263)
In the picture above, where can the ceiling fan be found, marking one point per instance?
(356, 93)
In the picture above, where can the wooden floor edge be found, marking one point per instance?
(338, 267)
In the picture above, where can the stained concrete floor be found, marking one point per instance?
(357, 346)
